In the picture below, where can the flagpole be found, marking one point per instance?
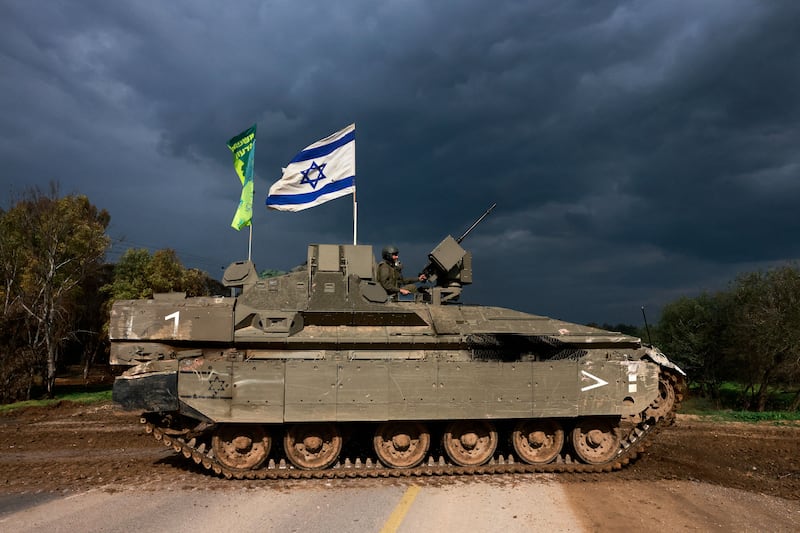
(355, 204)
(355, 218)
(250, 243)
(250, 239)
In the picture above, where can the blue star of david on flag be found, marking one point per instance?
(328, 166)
(313, 181)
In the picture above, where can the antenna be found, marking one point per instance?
(646, 327)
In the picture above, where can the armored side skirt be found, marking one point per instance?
(156, 392)
(315, 391)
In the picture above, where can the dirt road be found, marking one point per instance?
(699, 475)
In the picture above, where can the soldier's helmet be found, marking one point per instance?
(389, 251)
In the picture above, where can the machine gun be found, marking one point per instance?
(480, 219)
(450, 266)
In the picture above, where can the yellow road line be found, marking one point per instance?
(400, 511)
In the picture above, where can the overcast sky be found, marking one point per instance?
(638, 151)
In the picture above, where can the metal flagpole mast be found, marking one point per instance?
(250, 242)
(355, 204)
(250, 239)
(355, 218)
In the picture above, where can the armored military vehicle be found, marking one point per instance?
(320, 373)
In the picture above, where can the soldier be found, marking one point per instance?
(390, 273)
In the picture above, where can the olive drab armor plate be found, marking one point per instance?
(322, 354)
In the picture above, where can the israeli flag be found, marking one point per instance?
(321, 172)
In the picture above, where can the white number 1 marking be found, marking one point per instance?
(176, 315)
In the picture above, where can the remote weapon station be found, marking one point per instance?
(319, 373)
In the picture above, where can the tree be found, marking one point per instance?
(270, 273)
(90, 342)
(139, 274)
(17, 362)
(765, 332)
(691, 331)
(11, 248)
(129, 280)
(16, 371)
(199, 283)
(165, 273)
(58, 243)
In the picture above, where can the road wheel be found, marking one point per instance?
(538, 441)
(401, 444)
(241, 446)
(312, 446)
(470, 442)
(596, 440)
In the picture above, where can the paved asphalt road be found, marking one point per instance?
(504, 504)
(377, 507)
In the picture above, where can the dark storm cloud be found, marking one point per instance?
(638, 151)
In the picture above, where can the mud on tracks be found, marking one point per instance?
(74, 448)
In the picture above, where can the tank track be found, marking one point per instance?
(637, 440)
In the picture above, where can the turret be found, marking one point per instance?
(341, 277)
(450, 267)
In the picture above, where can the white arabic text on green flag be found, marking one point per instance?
(243, 147)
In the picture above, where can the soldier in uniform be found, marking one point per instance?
(390, 273)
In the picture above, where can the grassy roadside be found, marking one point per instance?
(84, 397)
(702, 407)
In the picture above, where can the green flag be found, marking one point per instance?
(243, 147)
